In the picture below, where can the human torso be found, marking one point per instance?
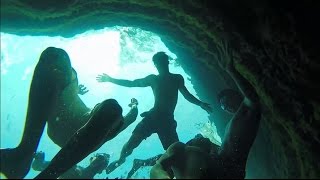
(240, 132)
(71, 114)
(165, 89)
(194, 163)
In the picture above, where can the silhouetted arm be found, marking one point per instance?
(191, 98)
(244, 86)
(143, 82)
(242, 129)
(251, 97)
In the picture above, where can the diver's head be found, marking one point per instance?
(99, 162)
(229, 100)
(104, 157)
(200, 142)
(161, 61)
(204, 144)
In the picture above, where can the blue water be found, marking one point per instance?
(93, 53)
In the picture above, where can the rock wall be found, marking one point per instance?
(275, 44)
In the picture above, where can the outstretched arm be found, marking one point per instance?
(251, 97)
(144, 82)
(242, 129)
(186, 94)
(244, 86)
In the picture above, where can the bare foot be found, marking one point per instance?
(137, 164)
(14, 164)
(134, 102)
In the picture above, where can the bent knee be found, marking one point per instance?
(54, 65)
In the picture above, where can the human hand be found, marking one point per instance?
(82, 89)
(144, 114)
(39, 156)
(206, 107)
(103, 78)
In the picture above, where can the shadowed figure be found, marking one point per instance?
(138, 163)
(106, 122)
(97, 164)
(202, 160)
(159, 119)
(53, 99)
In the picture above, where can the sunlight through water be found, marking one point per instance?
(121, 52)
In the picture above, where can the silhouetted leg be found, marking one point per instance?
(87, 139)
(73, 152)
(131, 116)
(47, 82)
(127, 149)
(168, 135)
(138, 163)
(39, 164)
(143, 130)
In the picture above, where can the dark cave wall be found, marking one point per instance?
(275, 47)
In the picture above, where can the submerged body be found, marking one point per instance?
(97, 164)
(200, 158)
(160, 119)
(53, 99)
(185, 161)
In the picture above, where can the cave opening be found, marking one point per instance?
(123, 52)
(276, 42)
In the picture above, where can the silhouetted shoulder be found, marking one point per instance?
(176, 147)
(179, 78)
(151, 76)
(144, 82)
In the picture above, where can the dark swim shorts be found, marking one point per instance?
(154, 122)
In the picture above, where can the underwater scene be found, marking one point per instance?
(121, 52)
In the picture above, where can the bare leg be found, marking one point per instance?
(77, 148)
(134, 140)
(86, 140)
(127, 149)
(45, 87)
(98, 163)
(138, 163)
